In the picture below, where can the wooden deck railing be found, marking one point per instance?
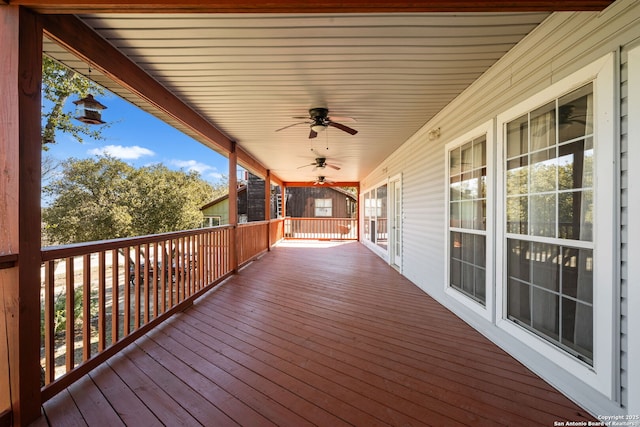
(252, 239)
(321, 228)
(99, 296)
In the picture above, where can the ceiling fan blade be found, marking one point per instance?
(295, 124)
(342, 119)
(312, 134)
(332, 166)
(307, 165)
(343, 128)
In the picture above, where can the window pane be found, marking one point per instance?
(456, 244)
(517, 215)
(545, 313)
(577, 327)
(468, 186)
(467, 214)
(575, 168)
(479, 249)
(454, 162)
(518, 259)
(480, 284)
(455, 188)
(519, 300)
(545, 265)
(467, 157)
(455, 275)
(543, 215)
(575, 114)
(467, 247)
(480, 218)
(479, 153)
(577, 274)
(517, 137)
(518, 176)
(575, 215)
(454, 214)
(543, 127)
(543, 171)
(467, 278)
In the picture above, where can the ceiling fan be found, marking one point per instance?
(321, 180)
(319, 120)
(320, 163)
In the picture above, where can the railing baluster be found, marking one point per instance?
(145, 287)
(102, 297)
(49, 332)
(70, 317)
(163, 277)
(86, 307)
(126, 321)
(136, 288)
(156, 279)
(115, 296)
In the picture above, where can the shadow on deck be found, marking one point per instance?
(328, 336)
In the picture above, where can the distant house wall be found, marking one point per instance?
(301, 202)
(218, 210)
(564, 47)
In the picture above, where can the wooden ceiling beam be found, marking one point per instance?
(297, 6)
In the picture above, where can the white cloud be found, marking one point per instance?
(121, 152)
(193, 165)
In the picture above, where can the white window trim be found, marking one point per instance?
(601, 375)
(486, 311)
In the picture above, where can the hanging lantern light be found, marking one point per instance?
(89, 111)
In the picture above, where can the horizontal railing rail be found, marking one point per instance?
(100, 296)
(321, 228)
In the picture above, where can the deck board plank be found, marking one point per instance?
(317, 336)
(95, 408)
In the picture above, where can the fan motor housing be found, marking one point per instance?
(318, 113)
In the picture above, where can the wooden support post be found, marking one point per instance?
(267, 206)
(20, 157)
(233, 207)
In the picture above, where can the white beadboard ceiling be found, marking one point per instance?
(249, 74)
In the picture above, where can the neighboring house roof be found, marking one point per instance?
(221, 198)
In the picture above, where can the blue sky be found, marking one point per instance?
(140, 139)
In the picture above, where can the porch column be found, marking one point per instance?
(233, 207)
(267, 206)
(20, 156)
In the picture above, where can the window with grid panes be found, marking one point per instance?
(549, 222)
(467, 218)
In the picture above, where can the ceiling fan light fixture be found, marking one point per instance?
(317, 128)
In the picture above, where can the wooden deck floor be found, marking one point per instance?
(313, 336)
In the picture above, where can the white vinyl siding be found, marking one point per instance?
(630, 226)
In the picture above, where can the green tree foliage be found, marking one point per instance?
(58, 84)
(105, 198)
